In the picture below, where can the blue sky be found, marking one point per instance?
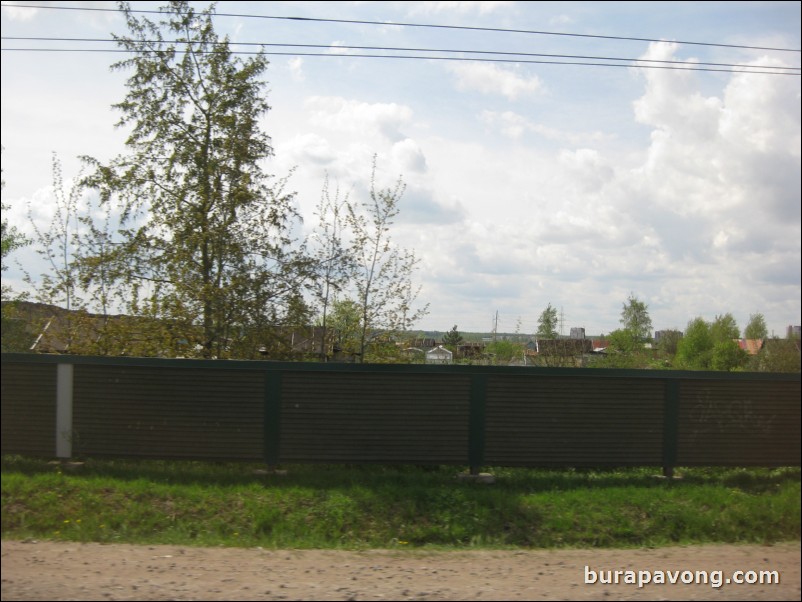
(527, 184)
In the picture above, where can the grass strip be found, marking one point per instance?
(360, 507)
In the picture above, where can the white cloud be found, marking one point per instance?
(296, 66)
(490, 79)
(465, 7)
(561, 20)
(683, 224)
(409, 156)
(515, 126)
(32, 10)
(714, 156)
(719, 184)
(695, 117)
(419, 206)
(336, 47)
(340, 114)
(310, 147)
(587, 169)
(709, 209)
(19, 14)
(511, 124)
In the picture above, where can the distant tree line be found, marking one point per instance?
(714, 345)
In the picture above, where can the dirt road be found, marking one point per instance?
(39, 570)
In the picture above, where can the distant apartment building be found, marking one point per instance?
(794, 332)
(660, 334)
(577, 333)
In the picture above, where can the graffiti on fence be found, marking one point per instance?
(711, 415)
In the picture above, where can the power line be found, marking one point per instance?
(431, 58)
(421, 25)
(693, 64)
(745, 70)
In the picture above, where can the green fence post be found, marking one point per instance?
(670, 427)
(272, 417)
(476, 426)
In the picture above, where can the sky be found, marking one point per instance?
(527, 183)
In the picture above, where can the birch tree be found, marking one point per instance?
(547, 323)
(635, 318)
(334, 264)
(382, 282)
(206, 232)
(756, 328)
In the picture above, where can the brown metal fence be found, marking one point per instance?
(67, 406)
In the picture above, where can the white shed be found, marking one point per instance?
(439, 355)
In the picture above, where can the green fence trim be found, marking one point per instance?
(272, 417)
(476, 424)
(35, 358)
(670, 426)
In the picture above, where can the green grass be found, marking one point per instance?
(357, 507)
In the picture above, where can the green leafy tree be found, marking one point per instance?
(756, 328)
(206, 233)
(710, 346)
(624, 341)
(453, 338)
(14, 336)
(383, 276)
(12, 239)
(345, 321)
(727, 356)
(635, 318)
(724, 328)
(695, 348)
(504, 352)
(624, 350)
(626, 345)
(779, 355)
(547, 323)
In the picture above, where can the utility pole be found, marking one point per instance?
(495, 326)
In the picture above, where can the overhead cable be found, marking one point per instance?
(419, 25)
(640, 62)
(634, 64)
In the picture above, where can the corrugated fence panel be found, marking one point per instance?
(570, 421)
(355, 417)
(462, 415)
(29, 409)
(168, 412)
(739, 423)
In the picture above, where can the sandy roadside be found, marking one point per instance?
(72, 571)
